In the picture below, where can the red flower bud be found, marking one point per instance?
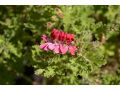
(62, 36)
(55, 34)
(70, 38)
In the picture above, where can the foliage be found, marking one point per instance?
(97, 34)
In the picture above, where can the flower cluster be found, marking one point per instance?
(59, 42)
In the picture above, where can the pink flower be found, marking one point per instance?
(59, 42)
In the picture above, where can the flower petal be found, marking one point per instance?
(63, 49)
(44, 46)
(51, 46)
(72, 50)
(44, 38)
(56, 49)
